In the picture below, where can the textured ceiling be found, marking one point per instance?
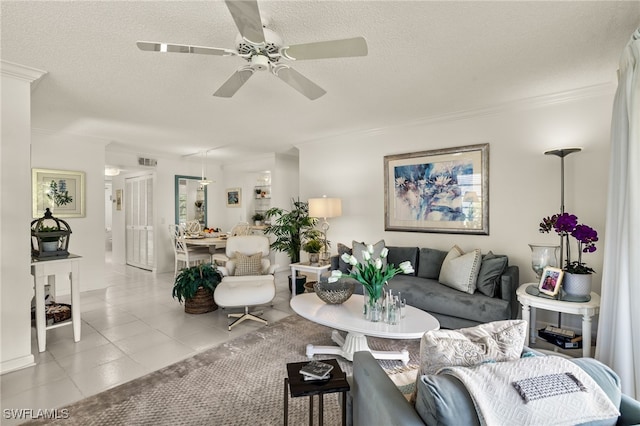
(425, 59)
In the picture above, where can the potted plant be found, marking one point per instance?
(195, 285)
(257, 218)
(577, 279)
(313, 247)
(49, 243)
(290, 228)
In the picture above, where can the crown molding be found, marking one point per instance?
(22, 72)
(604, 89)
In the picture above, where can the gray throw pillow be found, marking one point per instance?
(430, 262)
(490, 273)
(397, 255)
(358, 248)
(343, 266)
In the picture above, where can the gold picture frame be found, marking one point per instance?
(62, 191)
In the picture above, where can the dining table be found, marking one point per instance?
(213, 242)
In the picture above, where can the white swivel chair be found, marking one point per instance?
(240, 228)
(183, 253)
(248, 277)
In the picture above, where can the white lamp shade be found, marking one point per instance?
(325, 207)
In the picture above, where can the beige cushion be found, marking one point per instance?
(495, 341)
(460, 270)
(248, 264)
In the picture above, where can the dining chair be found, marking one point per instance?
(182, 252)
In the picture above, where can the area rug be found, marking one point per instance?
(240, 382)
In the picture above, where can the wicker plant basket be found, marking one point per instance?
(201, 303)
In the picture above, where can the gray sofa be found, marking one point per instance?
(453, 308)
(375, 399)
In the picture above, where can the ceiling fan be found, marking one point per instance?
(263, 49)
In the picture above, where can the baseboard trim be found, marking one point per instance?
(17, 364)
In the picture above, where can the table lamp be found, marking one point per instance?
(325, 208)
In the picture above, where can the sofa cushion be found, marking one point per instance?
(430, 262)
(495, 341)
(460, 270)
(435, 298)
(397, 255)
(490, 273)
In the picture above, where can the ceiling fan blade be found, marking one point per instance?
(235, 82)
(246, 15)
(298, 81)
(153, 46)
(327, 49)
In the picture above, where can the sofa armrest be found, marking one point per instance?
(629, 411)
(376, 399)
(509, 283)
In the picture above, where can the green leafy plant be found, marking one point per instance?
(312, 246)
(190, 279)
(290, 228)
(45, 229)
(257, 216)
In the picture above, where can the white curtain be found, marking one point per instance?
(619, 324)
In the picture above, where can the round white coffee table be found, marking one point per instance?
(348, 317)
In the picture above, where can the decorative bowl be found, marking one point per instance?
(334, 293)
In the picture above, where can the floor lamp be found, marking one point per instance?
(562, 152)
(325, 208)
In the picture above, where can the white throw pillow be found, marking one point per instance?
(495, 341)
(460, 270)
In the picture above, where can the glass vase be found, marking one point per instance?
(543, 256)
(373, 305)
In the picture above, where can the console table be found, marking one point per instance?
(588, 309)
(44, 273)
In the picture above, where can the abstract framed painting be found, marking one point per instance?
(234, 197)
(443, 190)
(62, 191)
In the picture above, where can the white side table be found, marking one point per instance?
(68, 268)
(306, 267)
(588, 309)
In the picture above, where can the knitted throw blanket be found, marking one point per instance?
(534, 391)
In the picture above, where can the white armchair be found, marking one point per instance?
(248, 277)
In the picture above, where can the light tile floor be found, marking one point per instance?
(129, 329)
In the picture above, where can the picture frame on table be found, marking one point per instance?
(441, 191)
(61, 191)
(234, 197)
(550, 281)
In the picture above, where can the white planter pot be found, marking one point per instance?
(49, 245)
(577, 284)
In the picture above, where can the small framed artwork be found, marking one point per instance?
(62, 191)
(234, 197)
(551, 281)
(444, 190)
(118, 199)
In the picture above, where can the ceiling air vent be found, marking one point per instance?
(149, 162)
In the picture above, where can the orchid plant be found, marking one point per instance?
(566, 225)
(371, 273)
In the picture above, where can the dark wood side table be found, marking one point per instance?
(295, 384)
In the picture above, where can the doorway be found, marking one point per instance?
(139, 233)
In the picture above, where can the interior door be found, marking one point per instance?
(139, 222)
